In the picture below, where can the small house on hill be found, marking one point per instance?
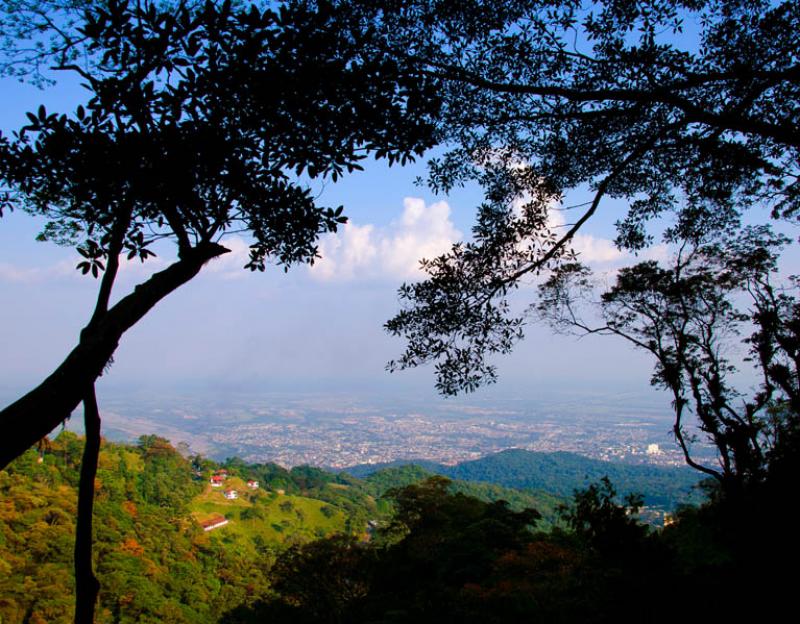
(217, 480)
(231, 494)
(214, 522)
(253, 485)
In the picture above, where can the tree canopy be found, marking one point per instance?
(202, 119)
(685, 111)
(688, 316)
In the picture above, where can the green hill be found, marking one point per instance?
(559, 474)
(562, 473)
(154, 562)
(268, 517)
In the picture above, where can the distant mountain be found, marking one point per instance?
(561, 473)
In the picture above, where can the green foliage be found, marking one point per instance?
(434, 554)
(322, 579)
(259, 519)
(416, 569)
(165, 479)
(561, 473)
(384, 480)
(286, 506)
(449, 558)
(597, 518)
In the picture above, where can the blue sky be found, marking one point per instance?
(312, 328)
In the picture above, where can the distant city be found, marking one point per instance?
(336, 431)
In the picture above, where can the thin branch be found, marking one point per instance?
(118, 231)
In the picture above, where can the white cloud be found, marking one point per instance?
(16, 273)
(593, 250)
(660, 253)
(367, 251)
(11, 273)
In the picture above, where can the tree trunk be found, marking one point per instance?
(40, 411)
(86, 584)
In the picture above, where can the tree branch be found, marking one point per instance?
(118, 232)
(784, 134)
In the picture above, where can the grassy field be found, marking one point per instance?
(274, 518)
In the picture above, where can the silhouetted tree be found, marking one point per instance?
(596, 517)
(438, 544)
(324, 579)
(686, 316)
(200, 119)
(686, 110)
(35, 35)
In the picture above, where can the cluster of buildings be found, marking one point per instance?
(344, 440)
(219, 478)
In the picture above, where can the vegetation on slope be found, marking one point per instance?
(546, 504)
(153, 558)
(155, 564)
(450, 558)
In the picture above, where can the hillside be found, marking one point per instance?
(155, 563)
(154, 559)
(298, 546)
(268, 517)
(560, 474)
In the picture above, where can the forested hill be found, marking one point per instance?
(155, 561)
(393, 477)
(561, 473)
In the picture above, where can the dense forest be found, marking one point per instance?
(311, 545)
(156, 564)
